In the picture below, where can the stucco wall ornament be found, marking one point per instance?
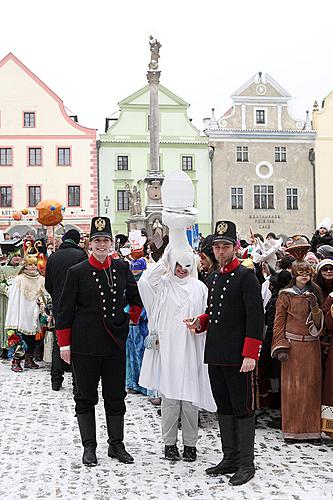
(264, 170)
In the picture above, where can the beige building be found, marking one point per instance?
(262, 175)
(44, 152)
(323, 124)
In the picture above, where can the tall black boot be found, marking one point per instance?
(246, 469)
(87, 426)
(115, 427)
(230, 446)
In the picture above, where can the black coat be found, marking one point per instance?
(235, 312)
(317, 241)
(67, 255)
(92, 311)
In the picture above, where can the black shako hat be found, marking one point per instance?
(225, 230)
(100, 227)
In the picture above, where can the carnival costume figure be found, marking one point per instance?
(23, 312)
(297, 326)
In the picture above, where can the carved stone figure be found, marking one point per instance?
(155, 53)
(134, 198)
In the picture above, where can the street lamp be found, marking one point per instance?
(106, 203)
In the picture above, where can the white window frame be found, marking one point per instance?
(280, 151)
(292, 196)
(255, 117)
(239, 195)
(266, 194)
(242, 153)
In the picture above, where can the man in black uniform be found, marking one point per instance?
(92, 328)
(68, 254)
(234, 324)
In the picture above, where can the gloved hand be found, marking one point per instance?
(312, 299)
(283, 356)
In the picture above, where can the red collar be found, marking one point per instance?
(99, 265)
(230, 267)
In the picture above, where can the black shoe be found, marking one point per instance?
(56, 386)
(242, 476)
(226, 466)
(89, 456)
(118, 450)
(171, 452)
(190, 453)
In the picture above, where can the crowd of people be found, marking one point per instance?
(233, 327)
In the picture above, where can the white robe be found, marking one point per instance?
(23, 310)
(176, 369)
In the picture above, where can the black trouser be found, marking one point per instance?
(57, 366)
(30, 341)
(233, 391)
(88, 371)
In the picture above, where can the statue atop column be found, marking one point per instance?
(154, 53)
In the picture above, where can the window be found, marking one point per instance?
(263, 196)
(5, 196)
(74, 196)
(64, 157)
(280, 154)
(260, 117)
(187, 162)
(122, 162)
(29, 120)
(6, 156)
(122, 200)
(35, 157)
(242, 153)
(292, 199)
(237, 198)
(35, 195)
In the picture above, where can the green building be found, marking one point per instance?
(124, 155)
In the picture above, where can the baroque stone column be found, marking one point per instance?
(154, 178)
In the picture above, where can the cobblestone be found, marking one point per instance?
(40, 453)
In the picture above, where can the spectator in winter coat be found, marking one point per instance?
(68, 254)
(322, 235)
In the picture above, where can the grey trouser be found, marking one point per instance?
(172, 409)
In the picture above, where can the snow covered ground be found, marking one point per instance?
(40, 453)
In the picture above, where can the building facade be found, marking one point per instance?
(262, 176)
(44, 153)
(124, 155)
(323, 125)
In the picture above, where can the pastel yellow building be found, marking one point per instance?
(44, 152)
(322, 121)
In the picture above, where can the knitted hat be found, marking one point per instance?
(323, 263)
(326, 223)
(311, 256)
(325, 251)
(72, 234)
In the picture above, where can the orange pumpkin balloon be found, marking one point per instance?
(50, 212)
(17, 216)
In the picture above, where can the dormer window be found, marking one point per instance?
(29, 119)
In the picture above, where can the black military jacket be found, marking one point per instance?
(234, 317)
(91, 317)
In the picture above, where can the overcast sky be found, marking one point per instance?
(95, 53)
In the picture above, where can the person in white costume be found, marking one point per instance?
(23, 309)
(176, 368)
